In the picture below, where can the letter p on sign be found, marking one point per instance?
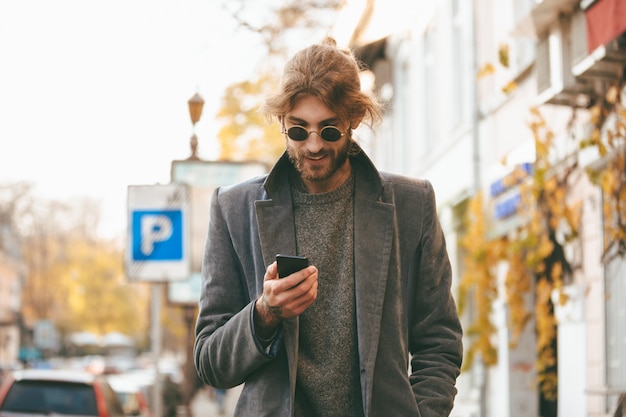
(158, 235)
(154, 228)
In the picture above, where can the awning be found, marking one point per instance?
(606, 20)
(371, 52)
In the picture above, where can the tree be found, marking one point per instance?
(99, 298)
(15, 199)
(550, 222)
(71, 276)
(609, 140)
(479, 282)
(283, 19)
(245, 135)
(535, 250)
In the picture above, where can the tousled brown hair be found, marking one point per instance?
(330, 74)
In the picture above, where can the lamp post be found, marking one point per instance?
(191, 380)
(196, 103)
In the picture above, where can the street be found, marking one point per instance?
(204, 404)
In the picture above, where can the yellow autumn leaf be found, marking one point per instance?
(545, 248)
(551, 185)
(608, 182)
(540, 147)
(572, 215)
(556, 272)
(486, 70)
(596, 113)
(503, 55)
(559, 198)
(612, 94)
(509, 87)
(534, 111)
(610, 138)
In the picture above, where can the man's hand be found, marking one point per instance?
(283, 298)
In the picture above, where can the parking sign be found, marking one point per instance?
(158, 219)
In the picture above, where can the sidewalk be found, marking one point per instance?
(204, 404)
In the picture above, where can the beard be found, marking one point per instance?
(338, 158)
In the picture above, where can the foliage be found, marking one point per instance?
(503, 55)
(551, 223)
(534, 250)
(71, 277)
(489, 69)
(99, 298)
(78, 282)
(609, 139)
(245, 134)
(479, 281)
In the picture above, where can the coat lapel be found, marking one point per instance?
(373, 240)
(277, 234)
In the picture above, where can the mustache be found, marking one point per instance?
(304, 153)
(313, 155)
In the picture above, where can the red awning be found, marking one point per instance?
(606, 20)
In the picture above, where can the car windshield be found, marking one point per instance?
(46, 397)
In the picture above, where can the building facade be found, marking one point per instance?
(466, 133)
(10, 301)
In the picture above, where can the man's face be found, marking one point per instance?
(323, 166)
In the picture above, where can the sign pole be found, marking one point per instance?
(155, 331)
(157, 252)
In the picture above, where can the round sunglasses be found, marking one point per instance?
(328, 133)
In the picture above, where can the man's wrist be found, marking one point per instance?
(266, 321)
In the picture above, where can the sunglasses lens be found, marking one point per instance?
(297, 133)
(330, 134)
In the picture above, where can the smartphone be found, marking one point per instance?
(288, 264)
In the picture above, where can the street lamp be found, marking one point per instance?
(191, 381)
(195, 111)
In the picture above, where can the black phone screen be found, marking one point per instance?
(288, 264)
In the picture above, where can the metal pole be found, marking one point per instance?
(477, 182)
(155, 334)
(189, 368)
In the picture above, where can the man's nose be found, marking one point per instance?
(314, 142)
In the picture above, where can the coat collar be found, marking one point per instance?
(277, 183)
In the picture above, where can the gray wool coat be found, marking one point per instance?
(409, 335)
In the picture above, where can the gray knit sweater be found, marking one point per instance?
(328, 366)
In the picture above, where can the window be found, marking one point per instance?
(51, 397)
(459, 87)
(430, 103)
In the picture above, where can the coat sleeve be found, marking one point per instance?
(226, 349)
(435, 330)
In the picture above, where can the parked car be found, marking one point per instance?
(31, 392)
(132, 395)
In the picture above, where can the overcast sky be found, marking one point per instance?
(93, 93)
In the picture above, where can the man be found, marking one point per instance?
(370, 328)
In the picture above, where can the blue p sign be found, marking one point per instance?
(157, 235)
